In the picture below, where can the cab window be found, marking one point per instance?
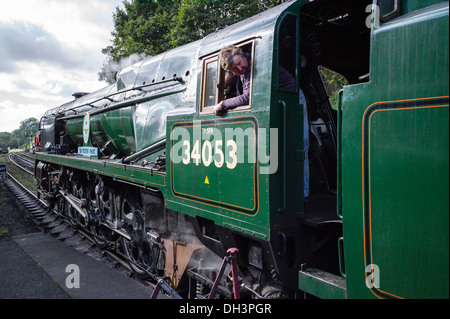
(211, 71)
(214, 79)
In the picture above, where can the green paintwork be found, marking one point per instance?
(407, 6)
(130, 173)
(116, 126)
(395, 162)
(323, 285)
(286, 114)
(227, 160)
(75, 129)
(150, 120)
(97, 133)
(221, 162)
(119, 127)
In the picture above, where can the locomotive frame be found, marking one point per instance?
(154, 174)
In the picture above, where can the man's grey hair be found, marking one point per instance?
(226, 55)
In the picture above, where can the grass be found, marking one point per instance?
(23, 177)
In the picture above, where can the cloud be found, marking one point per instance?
(20, 42)
(50, 49)
(29, 93)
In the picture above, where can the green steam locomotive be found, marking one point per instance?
(335, 186)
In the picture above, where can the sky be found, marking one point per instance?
(50, 49)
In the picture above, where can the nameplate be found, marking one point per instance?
(87, 151)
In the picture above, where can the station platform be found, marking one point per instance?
(38, 266)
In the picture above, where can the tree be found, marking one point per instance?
(140, 29)
(149, 27)
(4, 139)
(30, 127)
(198, 18)
(20, 137)
(333, 83)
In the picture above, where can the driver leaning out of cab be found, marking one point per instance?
(236, 63)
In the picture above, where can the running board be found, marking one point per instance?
(322, 284)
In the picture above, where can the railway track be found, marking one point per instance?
(24, 161)
(48, 220)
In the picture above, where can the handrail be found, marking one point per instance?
(140, 87)
(339, 155)
(124, 103)
(341, 256)
(108, 97)
(283, 176)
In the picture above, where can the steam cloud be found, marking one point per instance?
(110, 67)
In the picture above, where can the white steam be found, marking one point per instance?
(110, 67)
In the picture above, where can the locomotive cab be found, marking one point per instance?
(334, 51)
(322, 45)
(285, 213)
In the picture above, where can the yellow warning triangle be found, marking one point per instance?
(206, 180)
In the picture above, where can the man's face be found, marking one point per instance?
(239, 66)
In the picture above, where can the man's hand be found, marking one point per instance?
(218, 109)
